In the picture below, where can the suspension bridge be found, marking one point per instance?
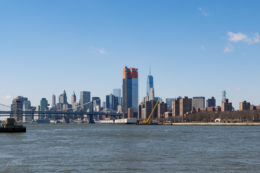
(49, 114)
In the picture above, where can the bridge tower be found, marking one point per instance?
(91, 115)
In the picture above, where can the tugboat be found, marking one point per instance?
(10, 126)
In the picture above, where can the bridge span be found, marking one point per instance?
(61, 114)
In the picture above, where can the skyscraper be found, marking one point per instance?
(111, 102)
(117, 93)
(130, 89)
(44, 104)
(149, 84)
(151, 97)
(84, 98)
(169, 102)
(96, 103)
(224, 95)
(73, 100)
(17, 108)
(53, 100)
(43, 107)
(63, 98)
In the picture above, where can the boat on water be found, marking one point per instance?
(126, 121)
(106, 121)
(55, 122)
(10, 126)
(118, 121)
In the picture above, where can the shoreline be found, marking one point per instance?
(213, 124)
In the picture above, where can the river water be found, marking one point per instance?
(131, 148)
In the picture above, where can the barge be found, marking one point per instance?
(10, 126)
(118, 121)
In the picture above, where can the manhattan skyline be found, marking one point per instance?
(195, 49)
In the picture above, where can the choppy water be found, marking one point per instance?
(131, 148)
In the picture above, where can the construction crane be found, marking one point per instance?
(147, 121)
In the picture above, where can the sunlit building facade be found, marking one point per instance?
(149, 85)
(130, 89)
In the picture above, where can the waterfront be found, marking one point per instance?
(131, 148)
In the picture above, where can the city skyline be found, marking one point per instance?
(196, 49)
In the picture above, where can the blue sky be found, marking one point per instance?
(194, 48)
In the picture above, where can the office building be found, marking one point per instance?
(43, 107)
(20, 104)
(211, 102)
(130, 89)
(44, 104)
(198, 103)
(117, 92)
(73, 101)
(17, 108)
(224, 95)
(152, 97)
(111, 102)
(96, 103)
(63, 98)
(169, 103)
(103, 104)
(149, 85)
(84, 99)
(27, 107)
(244, 106)
(53, 103)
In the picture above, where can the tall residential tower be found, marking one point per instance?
(130, 89)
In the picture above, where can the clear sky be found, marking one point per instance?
(194, 48)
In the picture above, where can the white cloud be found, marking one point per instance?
(98, 51)
(203, 12)
(240, 37)
(229, 48)
(102, 51)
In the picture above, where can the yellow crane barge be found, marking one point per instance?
(148, 121)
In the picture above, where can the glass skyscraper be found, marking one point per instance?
(130, 88)
(117, 93)
(149, 85)
(84, 99)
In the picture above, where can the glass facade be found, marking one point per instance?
(130, 89)
(135, 93)
(149, 84)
